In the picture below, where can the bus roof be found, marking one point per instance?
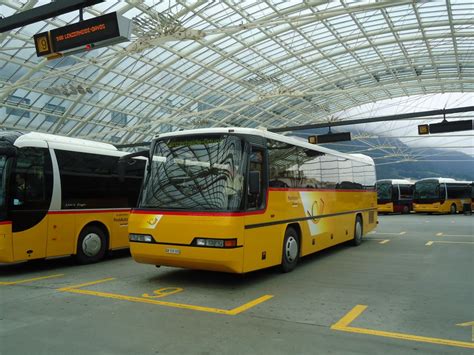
(34, 139)
(270, 135)
(396, 181)
(445, 180)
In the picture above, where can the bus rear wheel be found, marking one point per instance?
(291, 250)
(358, 231)
(453, 209)
(91, 245)
(405, 209)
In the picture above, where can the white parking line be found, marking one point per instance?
(431, 242)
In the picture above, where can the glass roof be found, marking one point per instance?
(193, 64)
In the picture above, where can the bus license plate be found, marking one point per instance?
(172, 251)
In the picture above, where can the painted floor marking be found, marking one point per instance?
(431, 242)
(439, 234)
(231, 312)
(343, 325)
(459, 235)
(7, 283)
(387, 233)
(380, 240)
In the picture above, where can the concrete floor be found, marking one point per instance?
(410, 289)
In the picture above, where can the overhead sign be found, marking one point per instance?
(423, 129)
(454, 126)
(85, 35)
(330, 138)
(445, 127)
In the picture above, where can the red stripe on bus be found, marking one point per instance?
(190, 213)
(316, 190)
(86, 211)
(5, 222)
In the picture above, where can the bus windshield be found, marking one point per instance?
(426, 190)
(384, 191)
(202, 173)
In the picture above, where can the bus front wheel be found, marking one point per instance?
(453, 209)
(91, 245)
(358, 231)
(291, 250)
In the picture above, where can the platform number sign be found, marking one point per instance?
(43, 44)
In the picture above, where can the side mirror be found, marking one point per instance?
(126, 159)
(254, 182)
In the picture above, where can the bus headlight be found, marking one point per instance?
(215, 243)
(143, 238)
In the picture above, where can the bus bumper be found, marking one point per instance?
(385, 208)
(427, 208)
(212, 259)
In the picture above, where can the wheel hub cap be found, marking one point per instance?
(291, 250)
(91, 244)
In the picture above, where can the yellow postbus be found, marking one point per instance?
(63, 196)
(394, 195)
(238, 200)
(441, 195)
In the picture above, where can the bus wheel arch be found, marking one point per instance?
(291, 247)
(453, 209)
(358, 229)
(92, 243)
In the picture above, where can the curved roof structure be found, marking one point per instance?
(196, 64)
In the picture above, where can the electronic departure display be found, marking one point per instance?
(446, 127)
(93, 33)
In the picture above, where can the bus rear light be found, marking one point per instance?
(215, 243)
(142, 238)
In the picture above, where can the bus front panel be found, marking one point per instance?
(190, 240)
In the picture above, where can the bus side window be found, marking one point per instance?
(257, 164)
(442, 191)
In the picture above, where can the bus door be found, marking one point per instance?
(257, 239)
(31, 187)
(6, 253)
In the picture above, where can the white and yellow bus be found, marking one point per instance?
(62, 196)
(238, 200)
(441, 195)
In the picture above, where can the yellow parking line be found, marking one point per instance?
(385, 241)
(249, 305)
(232, 312)
(429, 243)
(68, 288)
(6, 283)
(439, 234)
(343, 325)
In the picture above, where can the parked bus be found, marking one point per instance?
(238, 200)
(394, 195)
(62, 196)
(441, 195)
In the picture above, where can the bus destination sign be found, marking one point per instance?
(96, 32)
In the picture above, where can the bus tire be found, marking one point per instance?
(358, 231)
(291, 250)
(91, 245)
(405, 209)
(453, 209)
